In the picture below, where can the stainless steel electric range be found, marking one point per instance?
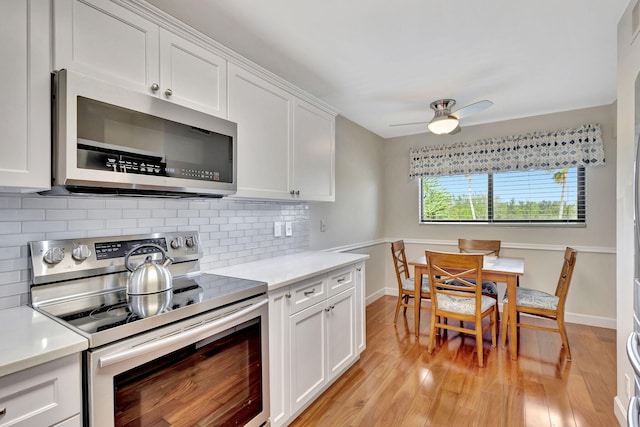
(211, 338)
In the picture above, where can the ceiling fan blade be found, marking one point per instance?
(408, 124)
(471, 109)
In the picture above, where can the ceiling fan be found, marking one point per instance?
(446, 122)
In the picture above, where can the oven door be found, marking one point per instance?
(211, 369)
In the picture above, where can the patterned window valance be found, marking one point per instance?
(564, 148)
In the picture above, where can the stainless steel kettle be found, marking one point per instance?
(149, 286)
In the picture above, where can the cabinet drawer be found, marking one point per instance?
(340, 280)
(43, 395)
(307, 293)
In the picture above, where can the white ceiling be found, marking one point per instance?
(379, 62)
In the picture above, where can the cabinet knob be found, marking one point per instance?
(155, 87)
(292, 192)
(359, 269)
(288, 295)
(3, 411)
(328, 309)
(168, 92)
(297, 192)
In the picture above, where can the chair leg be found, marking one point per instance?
(400, 298)
(479, 346)
(432, 333)
(505, 324)
(497, 311)
(563, 335)
(494, 328)
(406, 303)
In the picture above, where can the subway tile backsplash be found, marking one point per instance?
(231, 231)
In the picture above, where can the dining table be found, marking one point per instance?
(496, 269)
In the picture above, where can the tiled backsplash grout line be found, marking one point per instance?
(231, 231)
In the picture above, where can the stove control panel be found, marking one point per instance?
(54, 260)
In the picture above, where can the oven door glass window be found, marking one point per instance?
(215, 382)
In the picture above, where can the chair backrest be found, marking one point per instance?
(565, 276)
(486, 247)
(399, 261)
(449, 274)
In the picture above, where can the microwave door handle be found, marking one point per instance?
(633, 412)
(180, 338)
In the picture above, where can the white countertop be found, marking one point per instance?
(284, 270)
(28, 338)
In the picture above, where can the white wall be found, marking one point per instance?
(628, 68)
(592, 295)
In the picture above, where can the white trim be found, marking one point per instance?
(620, 411)
(376, 296)
(454, 243)
(581, 319)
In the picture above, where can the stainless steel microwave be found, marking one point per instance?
(111, 140)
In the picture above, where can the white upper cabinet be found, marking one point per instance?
(286, 146)
(105, 40)
(192, 75)
(263, 113)
(313, 153)
(25, 85)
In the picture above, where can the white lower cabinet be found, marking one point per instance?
(45, 395)
(313, 338)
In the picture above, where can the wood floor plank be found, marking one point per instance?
(397, 382)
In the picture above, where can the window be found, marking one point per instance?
(536, 196)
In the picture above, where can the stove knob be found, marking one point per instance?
(53, 255)
(192, 241)
(177, 243)
(81, 252)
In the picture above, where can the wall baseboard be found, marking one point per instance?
(377, 295)
(581, 319)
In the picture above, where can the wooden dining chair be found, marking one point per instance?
(455, 296)
(485, 247)
(406, 284)
(543, 304)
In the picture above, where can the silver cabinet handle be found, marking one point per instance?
(3, 411)
(307, 293)
(288, 295)
(342, 279)
(155, 87)
(633, 412)
(168, 92)
(294, 192)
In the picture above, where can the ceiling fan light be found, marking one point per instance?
(443, 124)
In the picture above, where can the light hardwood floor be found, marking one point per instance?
(397, 383)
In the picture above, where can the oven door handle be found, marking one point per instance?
(177, 338)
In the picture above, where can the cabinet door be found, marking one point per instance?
(279, 355)
(102, 39)
(308, 330)
(192, 76)
(313, 153)
(341, 332)
(263, 113)
(25, 84)
(361, 311)
(43, 395)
